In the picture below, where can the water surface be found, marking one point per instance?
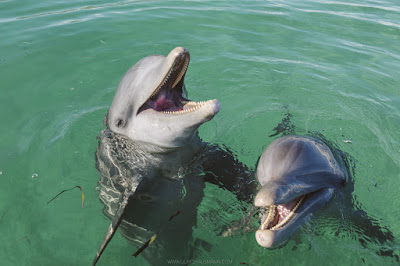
(333, 66)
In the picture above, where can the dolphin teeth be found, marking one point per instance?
(196, 105)
(183, 71)
(271, 216)
(162, 83)
(287, 218)
(191, 103)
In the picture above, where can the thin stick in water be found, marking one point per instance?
(140, 250)
(3, 215)
(83, 196)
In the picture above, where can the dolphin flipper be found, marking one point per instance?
(116, 221)
(222, 168)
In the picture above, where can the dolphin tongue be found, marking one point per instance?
(284, 210)
(166, 100)
(163, 103)
(279, 214)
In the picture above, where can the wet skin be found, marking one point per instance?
(298, 176)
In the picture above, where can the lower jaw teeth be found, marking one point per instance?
(271, 216)
(196, 105)
(193, 103)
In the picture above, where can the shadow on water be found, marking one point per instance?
(353, 222)
(361, 225)
(285, 127)
(343, 217)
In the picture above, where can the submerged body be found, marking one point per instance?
(298, 176)
(164, 189)
(146, 157)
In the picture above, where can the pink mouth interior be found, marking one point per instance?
(166, 100)
(282, 211)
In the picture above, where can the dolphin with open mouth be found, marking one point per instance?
(298, 176)
(150, 103)
(146, 156)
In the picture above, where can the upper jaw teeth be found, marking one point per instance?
(178, 79)
(183, 71)
(271, 216)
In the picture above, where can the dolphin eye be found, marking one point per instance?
(120, 123)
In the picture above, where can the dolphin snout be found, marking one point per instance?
(215, 107)
(266, 196)
(265, 238)
(178, 51)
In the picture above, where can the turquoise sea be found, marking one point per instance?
(330, 67)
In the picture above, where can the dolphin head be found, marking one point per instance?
(151, 105)
(298, 176)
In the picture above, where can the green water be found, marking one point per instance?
(334, 66)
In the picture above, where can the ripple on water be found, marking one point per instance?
(332, 65)
(222, 216)
(62, 125)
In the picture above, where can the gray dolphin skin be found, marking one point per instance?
(298, 176)
(150, 105)
(145, 157)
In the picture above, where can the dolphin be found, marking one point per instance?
(298, 176)
(146, 156)
(151, 105)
